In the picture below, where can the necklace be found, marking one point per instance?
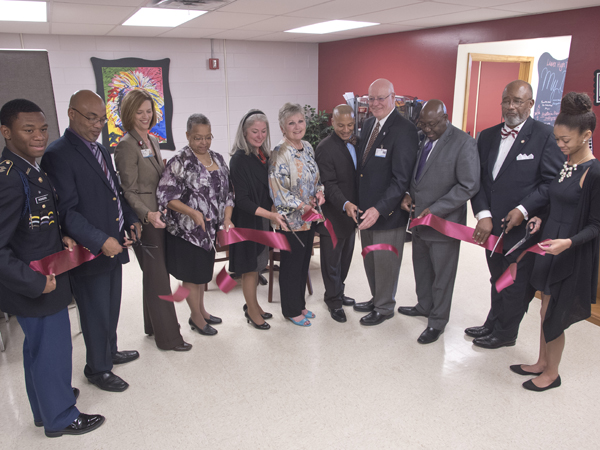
(568, 170)
(211, 161)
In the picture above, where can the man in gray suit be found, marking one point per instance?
(445, 178)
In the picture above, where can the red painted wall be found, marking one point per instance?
(423, 62)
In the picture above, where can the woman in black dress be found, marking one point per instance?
(249, 176)
(568, 278)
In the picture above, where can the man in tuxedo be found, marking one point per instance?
(385, 161)
(336, 158)
(94, 212)
(29, 232)
(519, 158)
(445, 178)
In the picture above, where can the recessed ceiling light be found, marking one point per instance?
(19, 11)
(331, 27)
(154, 17)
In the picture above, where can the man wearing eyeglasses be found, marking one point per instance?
(94, 212)
(385, 160)
(519, 158)
(445, 178)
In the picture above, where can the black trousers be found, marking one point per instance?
(293, 272)
(335, 263)
(98, 298)
(509, 305)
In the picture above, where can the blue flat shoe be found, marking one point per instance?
(303, 323)
(309, 314)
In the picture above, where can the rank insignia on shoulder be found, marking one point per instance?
(5, 166)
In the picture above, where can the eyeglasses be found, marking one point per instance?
(378, 99)
(430, 126)
(517, 103)
(93, 120)
(202, 138)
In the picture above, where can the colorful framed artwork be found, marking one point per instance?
(115, 78)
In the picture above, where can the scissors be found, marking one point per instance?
(522, 241)
(287, 224)
(499, 238)
(139, 244)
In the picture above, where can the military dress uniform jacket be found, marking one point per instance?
(29, 231)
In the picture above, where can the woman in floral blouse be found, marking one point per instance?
(196, 189)
(295, 189)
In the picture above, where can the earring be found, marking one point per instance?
(584, 141)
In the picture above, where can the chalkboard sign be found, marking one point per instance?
(552, 74)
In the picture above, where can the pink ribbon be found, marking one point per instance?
(235, 235)
(224, 280)
(180, 294)
(370, 248)
(329, 227)
(311, 216)
(455, 230)
(62, 261)
(510, 275)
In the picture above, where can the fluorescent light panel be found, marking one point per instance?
(19, 11)
(331, 27)
(163, 17)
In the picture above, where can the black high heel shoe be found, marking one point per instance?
(264, 326)
(206, 331)
(264, 315)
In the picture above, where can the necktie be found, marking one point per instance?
(506, 132)
(98, 154)
(423, 160)
(370, 143)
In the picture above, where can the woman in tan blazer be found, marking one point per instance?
(140, 166)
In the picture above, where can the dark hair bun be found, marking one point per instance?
(575, 103)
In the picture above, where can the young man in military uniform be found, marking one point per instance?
(29, 231)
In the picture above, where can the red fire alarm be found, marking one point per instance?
(213, 63)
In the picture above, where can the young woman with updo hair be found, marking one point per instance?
(567, 275)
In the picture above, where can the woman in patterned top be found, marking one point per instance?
(295, 189)
(196, 189)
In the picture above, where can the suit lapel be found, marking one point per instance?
(381, 136)
(494, 150)
(343, 149)
(89, 157)
(435, 151)
(520, 142)
(155, 160)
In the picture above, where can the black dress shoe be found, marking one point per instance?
(477, 332)
(125, 356)
(263, 315)
(262, 326)
(532, 387)
(212, 320)
(374, 318)
(109, 382)
(347, 301)
(493, 342)
(185, 347)
(364, 306)
(429, 335)
(262, 280)
(518, 369)
(339, 315)
(39, 423)
(206, 331)
(83, 424)
(410, 311)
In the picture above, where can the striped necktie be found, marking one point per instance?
(370, 143)
(98, 154)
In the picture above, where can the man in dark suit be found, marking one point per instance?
(94, 212)
(385, 161)
(445, 178)
(519, 158)
(336, 157)
(29, 231)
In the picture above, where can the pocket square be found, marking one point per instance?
(523, 157)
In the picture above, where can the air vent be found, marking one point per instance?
(203, 5)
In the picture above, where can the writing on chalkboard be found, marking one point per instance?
(552, 74)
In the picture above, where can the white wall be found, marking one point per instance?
(558, 47)
(261, 75)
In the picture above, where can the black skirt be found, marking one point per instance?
(188, 262)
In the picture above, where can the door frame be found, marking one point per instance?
(525, 73)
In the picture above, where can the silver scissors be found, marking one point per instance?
(287, 224)
(522, 241)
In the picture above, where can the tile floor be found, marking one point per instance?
(332, 386)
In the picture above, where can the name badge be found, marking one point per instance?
(146, 153)
(380, 152)
(42, 199)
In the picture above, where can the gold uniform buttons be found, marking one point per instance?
(117, 219)
(44, 206)
(40, 179)
(114, 199)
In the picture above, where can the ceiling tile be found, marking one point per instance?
(281, 23)
(193, 33)
(237, 34)
(478, 15)
(277, 36)
(225, 20)
(342, 9)
(25, 27)
(542, 6)
(75, 13)
(414, 11)
(88, 29)
(107, 2)
(275, 7)
(483, 3)
(137, 31)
